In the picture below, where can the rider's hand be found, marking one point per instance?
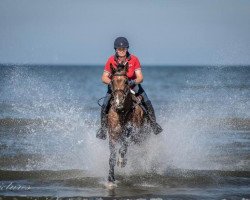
(131, 83)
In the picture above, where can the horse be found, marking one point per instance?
(126, 120)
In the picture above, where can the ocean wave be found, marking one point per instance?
(230, 123)
(12, 122)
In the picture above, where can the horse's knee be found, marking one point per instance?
(112, 143)
(124, 147)
(112, 160)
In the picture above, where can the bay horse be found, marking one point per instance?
(126, 118)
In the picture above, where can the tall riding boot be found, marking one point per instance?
(151, 113)
(102, 132)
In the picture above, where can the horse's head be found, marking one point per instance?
(120, 87)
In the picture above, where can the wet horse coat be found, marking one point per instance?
(126, 118)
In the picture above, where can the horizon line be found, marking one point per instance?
(144, 65)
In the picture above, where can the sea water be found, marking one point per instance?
(49, 116)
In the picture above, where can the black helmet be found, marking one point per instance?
(121, 42)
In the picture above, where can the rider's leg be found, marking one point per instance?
(150, 111)
(101, 133)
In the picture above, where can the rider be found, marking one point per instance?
(135, 77)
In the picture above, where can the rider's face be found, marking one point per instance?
(121, 51)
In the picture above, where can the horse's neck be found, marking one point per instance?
(128, 106)
(129, 101)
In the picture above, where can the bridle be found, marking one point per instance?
(125, 92)
(138, 102)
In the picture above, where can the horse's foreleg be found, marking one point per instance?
(122, 161)
(112, 161)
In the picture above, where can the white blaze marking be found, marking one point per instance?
(117, 101)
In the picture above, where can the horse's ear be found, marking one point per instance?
(126, 67)
(112, 68)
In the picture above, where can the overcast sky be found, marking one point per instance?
(160, 32)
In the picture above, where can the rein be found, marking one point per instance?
(137, 100)
(118, 90)
(125, 94)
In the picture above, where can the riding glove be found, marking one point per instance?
(131, 83)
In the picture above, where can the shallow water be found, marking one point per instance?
(49, 115)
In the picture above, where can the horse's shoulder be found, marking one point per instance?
(139, 108)
(112, 112)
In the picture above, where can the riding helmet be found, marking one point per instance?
(121, 42)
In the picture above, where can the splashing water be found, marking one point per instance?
(58, 117)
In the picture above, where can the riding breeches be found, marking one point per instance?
(139, 90)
